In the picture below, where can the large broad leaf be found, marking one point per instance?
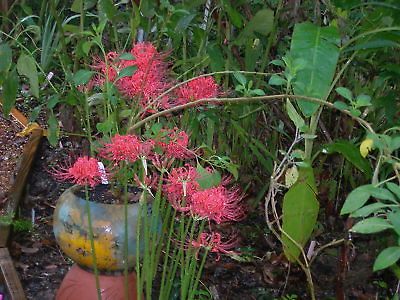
(300, 212)
(26, 66)
(352, 154)
(10, 88)
(261, 23)
(317, 48)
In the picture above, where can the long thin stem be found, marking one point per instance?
(126, 238)
(91, 237)
(247, 99)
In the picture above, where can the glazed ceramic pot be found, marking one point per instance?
(70, 225)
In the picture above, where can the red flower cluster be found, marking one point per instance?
(217, 203)
(126, 148)
(180, 185)
(200, 88)
(175, 144)
(149, 81)
(85, 171)
(146, 83)
(213, 242)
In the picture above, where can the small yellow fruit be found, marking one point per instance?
(366, 146)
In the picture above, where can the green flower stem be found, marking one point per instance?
(155, 235)
(146, 268)
(139, 282)
(187, 269)
(163, 287)
(89, 129)
(126, 236)
(140, 123)
(91, 237)
(193, 289)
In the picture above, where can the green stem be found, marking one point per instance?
(126, 237)
(89, 129)
(91, 237)
(164, 284)
(139, 281)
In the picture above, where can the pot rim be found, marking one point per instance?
(76, 187)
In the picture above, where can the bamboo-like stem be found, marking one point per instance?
(245, 100)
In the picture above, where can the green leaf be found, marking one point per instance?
(240, 78)
(356, 199)
(82, 77)
(352, 154)
(52, 130)
(10, 88)
(300, 212)
(126, 56)
(126, 72)
(317, 46)
(363, 100)
(277, 62)
(340, 105)
(86, 47)
(106, 126)
(26, 66)
(184, 23)
(394, 218)
(382, 194)
(234, 16)
(394, 188)
(386, 258)
(366, 210)
(294, 115)
(6, 57)
(276, 80)
(355, 112)
(53, 101)
(395, 143)
(261, 23)
(108, 8)
(371, 225)
(217, 61)
(345, 93)
(207, 179)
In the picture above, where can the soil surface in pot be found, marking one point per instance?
(102, 193)
(11, 148)
(264, 273)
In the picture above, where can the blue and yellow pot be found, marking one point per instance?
(70, 225)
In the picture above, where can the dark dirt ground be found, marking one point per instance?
(341, 270)
(11, 147)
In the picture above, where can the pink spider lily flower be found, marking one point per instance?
(122, 148)
(85, 171)
(199, 88)
(145, 84)
(106, 70)
(213, 242)
(180, 185)
(175, 144)
(148, 81)
(218, 204)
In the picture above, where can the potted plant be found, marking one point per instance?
(149, 179)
